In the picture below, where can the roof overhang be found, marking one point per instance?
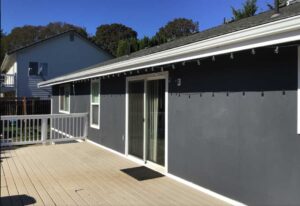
(8, 60)
(278, 32)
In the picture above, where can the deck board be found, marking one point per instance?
(83, 174)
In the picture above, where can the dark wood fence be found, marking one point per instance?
(24, 106)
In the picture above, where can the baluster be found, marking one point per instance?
(73, 126)
(2, 139)
(29, 129)
(69, 131)
(12, 130)
(17, 131)
(60, 129)
(51, 125)
(80, 129)
(25, 130)
(7, 133)
(21, 130)
(77, 127)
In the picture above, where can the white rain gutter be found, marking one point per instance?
(278, 32)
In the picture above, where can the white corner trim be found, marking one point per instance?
(206, 191)
(178, 179)
(298, 93)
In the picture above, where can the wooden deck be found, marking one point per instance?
(83, 174)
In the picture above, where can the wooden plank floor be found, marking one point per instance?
(83, 174)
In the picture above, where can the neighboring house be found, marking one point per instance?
(23, 68)
(216, 109)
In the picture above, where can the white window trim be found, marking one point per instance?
(95, 126)
(298, 93)
(59, 108)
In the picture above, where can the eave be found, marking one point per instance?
(278, 32)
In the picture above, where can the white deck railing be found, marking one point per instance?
(7, 80)
(34, 129)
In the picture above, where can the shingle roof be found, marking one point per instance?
(259, 19)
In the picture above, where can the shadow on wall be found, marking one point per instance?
(17, 200)
(245, 72)
(262, 72)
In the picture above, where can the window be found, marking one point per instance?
(43, 69)
(95, 104)
(64, 99)
(33, 68)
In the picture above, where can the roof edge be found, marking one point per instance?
(58, 35)
(261, 31)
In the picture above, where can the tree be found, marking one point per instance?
(123, 48)
(22, 36)
(280, 2)
(109, 35)
(249, 9)
(59, 27)
(144, 43)
(176, 28)
(127, 46)
(3, 45)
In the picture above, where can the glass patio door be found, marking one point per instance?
(155, 121)
(136, 118)
(146, 120)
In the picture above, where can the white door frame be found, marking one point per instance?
(145, 78)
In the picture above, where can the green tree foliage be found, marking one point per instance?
(22, 36)
(144, 43)
(127, 46)
(280, 2)
(3, 45)
(109, 35)
(123, 48)
(249, 9)
(176, 28)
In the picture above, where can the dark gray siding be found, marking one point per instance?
(112, 111)
(232, 125)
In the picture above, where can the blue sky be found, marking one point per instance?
(144, 16)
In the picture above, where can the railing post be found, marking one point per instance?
(44, 130)
(85, 119)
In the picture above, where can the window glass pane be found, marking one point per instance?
(95, 92)
(33, 68)
(95, 116)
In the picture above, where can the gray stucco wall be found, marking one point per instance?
(112, 111)
(62, 55)
(232, 125)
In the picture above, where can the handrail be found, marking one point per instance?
(36, 129)
(41, 116)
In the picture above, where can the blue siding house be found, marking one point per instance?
(57, 55)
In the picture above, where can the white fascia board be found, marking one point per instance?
(282, 31)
